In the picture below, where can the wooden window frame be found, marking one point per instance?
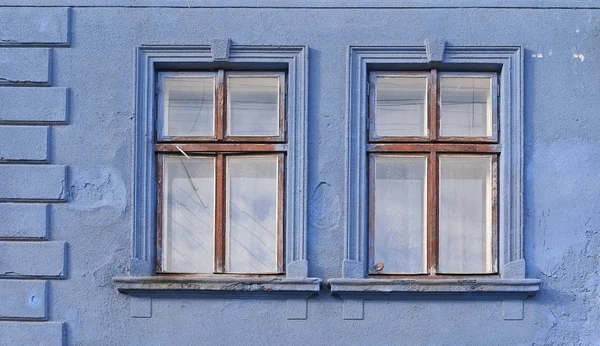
(220, 146)
(431, 147)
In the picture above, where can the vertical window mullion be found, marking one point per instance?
(432, 220)
(495, 241)
(160, 249)
(221, 97)
(433, 105)
(220, 211)
(280, 212)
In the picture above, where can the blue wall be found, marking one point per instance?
(74, 187)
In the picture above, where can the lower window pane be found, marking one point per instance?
(251, 213)
(188, 214)
(399, 204)
(465, 214)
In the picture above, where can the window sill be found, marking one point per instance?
(252, 287)
(389, 287)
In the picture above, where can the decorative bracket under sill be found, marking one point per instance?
(511, 291)
(295, 290)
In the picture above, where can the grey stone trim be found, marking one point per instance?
(154, 285)
(219, 48)
(404, 286)
(509, 62)
(435, 49)
(148, 59)
(316, 4)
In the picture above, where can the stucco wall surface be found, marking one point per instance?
(76, 197)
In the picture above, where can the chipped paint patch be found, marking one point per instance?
(94, 189)
(581, 57)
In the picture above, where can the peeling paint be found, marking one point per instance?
(581, 57)
(98, 188)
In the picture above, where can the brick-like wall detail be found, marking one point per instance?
(24, 66)
(23, 221)
(32, 259)
(30, 180)
(24, 143)
(32, 333)
(25, 105)
(33, 182)
(34, 26)
(23, 299)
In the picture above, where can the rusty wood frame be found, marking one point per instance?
(432, 146)
(437, 147)
(280, 213)
(220, 214)
(220, 146)
(159, 214)
(432, 214)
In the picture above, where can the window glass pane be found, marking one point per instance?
(251, 212)
(400, 106)
(252, 106)
(188, 106)
(399, 223)
(465, 218)
(188, 214)
(466, 106)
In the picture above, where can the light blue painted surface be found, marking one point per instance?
(561, 189)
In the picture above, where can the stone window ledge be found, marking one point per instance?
(383, 287)
(223, 286)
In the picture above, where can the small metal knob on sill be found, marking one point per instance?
(378, 266)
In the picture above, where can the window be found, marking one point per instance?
(433, 161)
(221, 147)
(433, 189)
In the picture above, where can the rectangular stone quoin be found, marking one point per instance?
(23, 221)
(24, 143)
(23, 300)
(24, 66)
(32, 333)
(32, 259)
(25, 105)
(34, 26)
(33, 182)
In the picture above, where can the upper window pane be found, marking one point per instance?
(253, 105)
(400, 106)
(187, 105)
(466, 106)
